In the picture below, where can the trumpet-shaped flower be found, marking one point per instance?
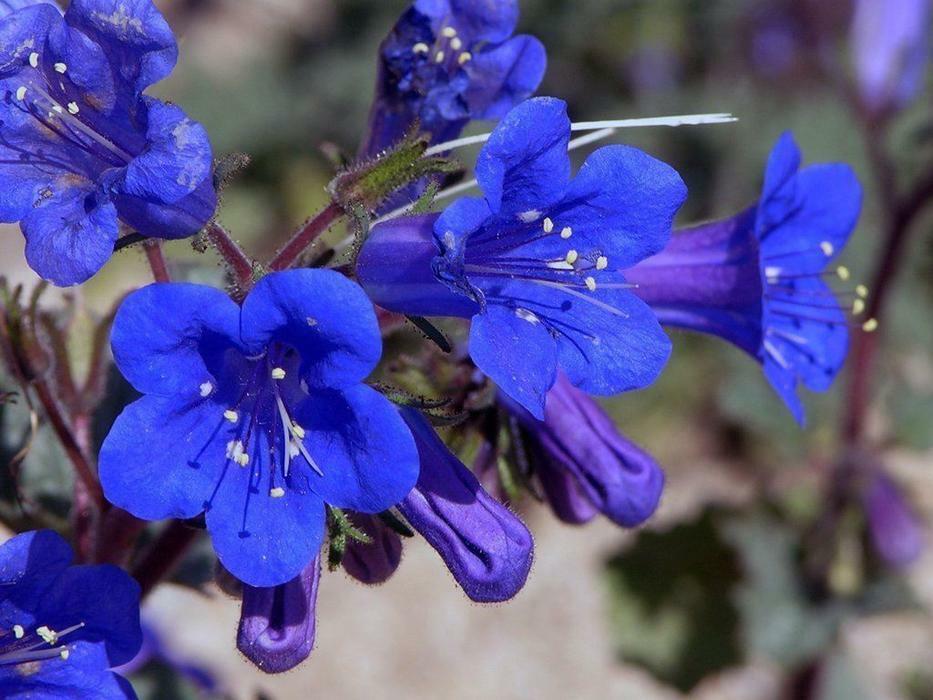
(81, 148)
(538, 263)
(256, 415)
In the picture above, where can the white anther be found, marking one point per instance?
(858, 306)
(21, 93)
(572, 256)
(231, 415)
(242, 459)
(298, 431)
(456, 44)
(439, 57)
(421, 47)
(64, 653)
(772, 273)
(311, 321)
(18, 631)
(465, 57)
(34, 59)
(277, 492)
(278, 373)
(559, 265)
(590, 283)
(843, 272)
(293, 450)
(602, 262)
(827, 248)
(73, 108)
(527, 315)
(526, 217)
(58, 109)
(861, 290)
(48, 635)
(206, 389)
(449, 32)
(61, 68)
(870, 326)
(548, 224)
(566, 232)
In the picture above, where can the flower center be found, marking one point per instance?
(21, 646)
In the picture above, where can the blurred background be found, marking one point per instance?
(713, 598)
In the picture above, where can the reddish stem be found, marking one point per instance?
(156, 259)
(240, 265)
(118, 532)
(163, 555)
(315, 226)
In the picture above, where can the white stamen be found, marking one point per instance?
(18, 631)
(277, 492)
(58, 109)
(449, 32)
(526, 217)
(242, 459)
(464, 58)
(870, 326)
(527, 315)
(231, 415)
(278, 373)
(64, 653)
(49, 636)
(843, 272)
(858, 306)
(298, 431)
(602, 262)
(861, 290)
(590, 284)
(61, 68)
(559, 265)
(456, 44)
(421, 47)
(73, 108)
(572, 256)
(34, 59)
(293, 450)
(772, 273)
(776, 354)
(21, 93)
(566, 232)
(827, 248)
(206, 389)
(548, 224)
(439, 58)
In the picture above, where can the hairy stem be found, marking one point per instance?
(156, 259)
(317, 225)
(239, 264)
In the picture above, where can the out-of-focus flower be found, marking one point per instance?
(756, 279)
(890, 51)
(538, 262)
(256, 415)
(447, 62)
(584, 464)
(277, 624)
(486, 547)
(62, 627)
(896, 531)
(155, 648)
(81, 148)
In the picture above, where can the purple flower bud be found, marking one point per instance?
(896, 531)
(576, 437)
(565, 497)
(485, 546)
(276, 628)
(375, 562)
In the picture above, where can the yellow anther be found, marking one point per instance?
(64, 653)
(18, 631)
(464, 57)
(548, 224)
(421, 47)
(298, 431)
(439, 58)
(827, 248)
(73, 108)
(231, 415)
(49, 636)
(278, 373)
(870, 326)
(602, 262)
(34, 59)
(566, 232)
(21, 93)
(858, 306)
(456, 44)
(590, 283)
(449, 32)
(60, 68)
(277, 492)
(242, 459)
(572, 256)
(843, 272)
(861, 290)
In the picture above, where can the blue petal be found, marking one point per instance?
(83, 676)
(90, 77)
(70, 235)
(29, 565)
(264, 541)
(324, 316)
(10, 6)
(503, 76)
(520, 356)
(163, 458)
(524, 167)
(363, 447)
(180, 219)
(477, 20)
(622, 203)
(785, 384)
(778, 193)
(176, 160)
(137, 39)
(21, 33)
(163, 353)
(454, 226)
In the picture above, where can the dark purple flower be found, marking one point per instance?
(375, 562)
(486, 547)
(890, 51)
(584, 464)
(277, 624)
(155, 649)
(896, 531)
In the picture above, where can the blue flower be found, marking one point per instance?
(756, 279)
(890, 51)
(447, 62)
(585, 466)
(538, 262)
(62, 627)
(81, 148)
(896, 530)
(256, 415)
(486, 547)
